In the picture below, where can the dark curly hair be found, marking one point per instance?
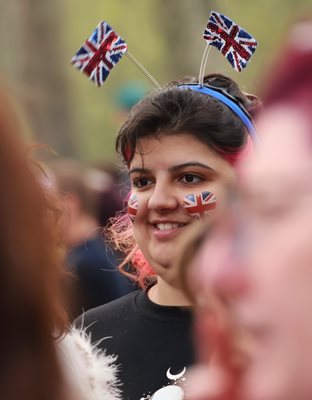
(173, 110)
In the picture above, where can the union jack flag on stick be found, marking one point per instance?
(200, 205)
(231, 40)
(100, 53)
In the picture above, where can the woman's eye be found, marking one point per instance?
(191, 178)
(141, 182)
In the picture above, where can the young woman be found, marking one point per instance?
(178, 141)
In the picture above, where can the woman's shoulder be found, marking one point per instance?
(89, 372)
(108, 312)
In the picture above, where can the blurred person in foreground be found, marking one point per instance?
(80, 189)
(252, 273)
(41, 359)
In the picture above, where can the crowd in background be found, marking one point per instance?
(232, 299)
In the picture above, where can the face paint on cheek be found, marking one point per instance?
(133, 206)
(200, 206)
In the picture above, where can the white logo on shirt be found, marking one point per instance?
(171, 392)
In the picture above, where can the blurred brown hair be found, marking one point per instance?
(290, 77)
(31, 260)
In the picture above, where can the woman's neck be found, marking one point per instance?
(166, 295)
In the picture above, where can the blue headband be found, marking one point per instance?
(228, 100)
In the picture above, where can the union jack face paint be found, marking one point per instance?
(201, 205)
(132, 206)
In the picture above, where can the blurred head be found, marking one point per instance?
(176, 142)
(265, 271)
(31, 259)
(276, 198)
(71, 180)
(110, 196)
(127, 96)
(79, 188)
(276, 194)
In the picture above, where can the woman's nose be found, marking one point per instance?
(163, 198)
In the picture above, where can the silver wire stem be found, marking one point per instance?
(144, 70)
(203, 64)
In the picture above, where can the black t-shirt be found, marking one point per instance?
(153, 343)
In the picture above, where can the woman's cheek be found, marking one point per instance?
(133, 205)
(137, 205)
(200, 205)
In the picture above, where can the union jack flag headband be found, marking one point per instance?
(235, 43)
(229, 101)
(101, 52)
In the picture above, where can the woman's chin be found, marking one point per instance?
(161, 258)
(165, 269)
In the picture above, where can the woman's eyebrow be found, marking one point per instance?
(179, 167)
(174, 168)
(139, 170)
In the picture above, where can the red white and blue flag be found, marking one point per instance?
(200, 205)
(133, 206)
(100, 53)
(231, 40)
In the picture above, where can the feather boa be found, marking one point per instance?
(89, 372)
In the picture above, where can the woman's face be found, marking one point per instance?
(169, 168)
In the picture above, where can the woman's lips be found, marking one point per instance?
(166, 230)
(162, 226)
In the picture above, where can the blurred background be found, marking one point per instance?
(60, 107)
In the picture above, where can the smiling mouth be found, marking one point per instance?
(168, 226)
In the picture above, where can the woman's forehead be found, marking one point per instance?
(163, 139)
(168, 151)
(175, 153)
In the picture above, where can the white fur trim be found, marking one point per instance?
(90, 373)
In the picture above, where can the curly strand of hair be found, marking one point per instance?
(119, 234)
